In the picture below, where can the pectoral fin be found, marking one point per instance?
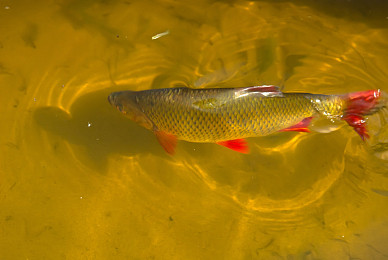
(302, 126)
(238, 145)
(167, 141)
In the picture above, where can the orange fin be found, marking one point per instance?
(167, 141)
(302, 126)
(238, 145)
(358, 105)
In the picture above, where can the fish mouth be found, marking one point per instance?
(111, 99)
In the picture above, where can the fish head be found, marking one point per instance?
(127, 103)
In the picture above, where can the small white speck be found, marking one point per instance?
(97, 139)
(7, 7)
(81, 198)
(89, 124)
(34, 99)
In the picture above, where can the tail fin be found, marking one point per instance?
(359, 104)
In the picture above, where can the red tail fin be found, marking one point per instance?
(358, 105)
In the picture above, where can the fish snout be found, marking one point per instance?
(116, 101)
(111, 99)
(122, 101)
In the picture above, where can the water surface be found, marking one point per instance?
(80, 181)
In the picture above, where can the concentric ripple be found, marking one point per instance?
(81, 181)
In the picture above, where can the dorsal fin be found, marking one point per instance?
(264, 90)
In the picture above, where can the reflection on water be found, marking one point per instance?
(78, 180)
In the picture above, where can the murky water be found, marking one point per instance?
(80, 181)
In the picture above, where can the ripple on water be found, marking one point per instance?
(115, 184)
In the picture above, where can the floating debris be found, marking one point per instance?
(157, 36)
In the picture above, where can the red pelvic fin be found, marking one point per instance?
(238, 145)
(358, 105)
(302, 126)
(167, 141)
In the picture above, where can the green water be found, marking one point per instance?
(80, 181)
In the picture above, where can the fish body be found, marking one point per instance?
(224, 115)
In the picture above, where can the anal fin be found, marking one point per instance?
(238, 145)
(302, 126)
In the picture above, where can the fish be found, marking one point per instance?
(227, 116)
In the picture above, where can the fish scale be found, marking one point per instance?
(219, 116)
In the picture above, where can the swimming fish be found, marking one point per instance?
(227, 116)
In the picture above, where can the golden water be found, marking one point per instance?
(80, 181)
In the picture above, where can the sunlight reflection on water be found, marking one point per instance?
(81, 181)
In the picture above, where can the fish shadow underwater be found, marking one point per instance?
(96, 130)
